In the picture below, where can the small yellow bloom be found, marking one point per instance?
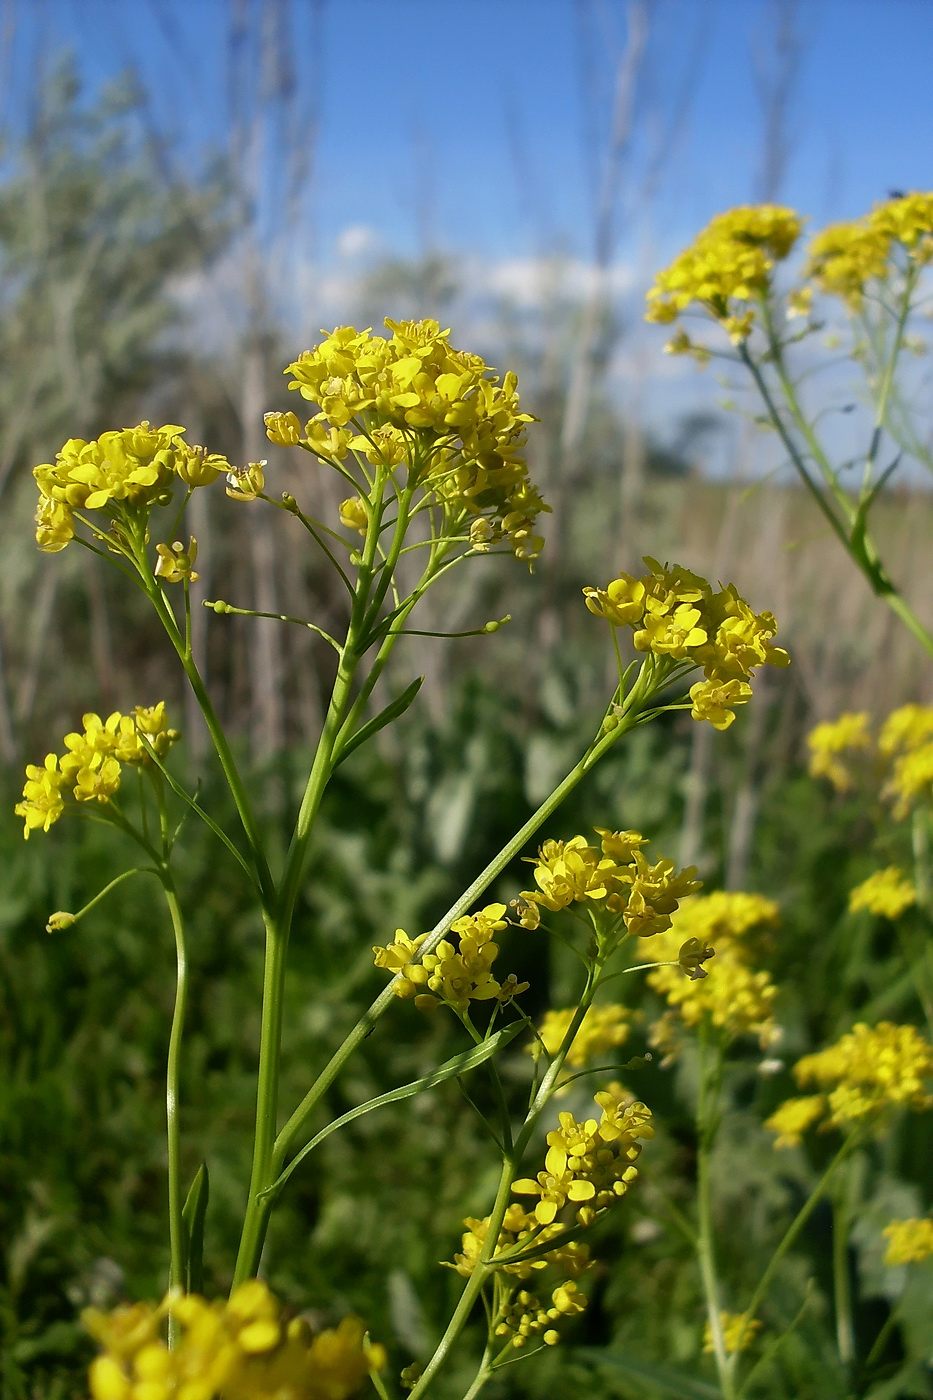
(794, 1117)
(911, 1242)
(354, 515)
(246, 483)
(888, 893)
(42, 800)
(835, 737)
(739, 1331)
(176, 561)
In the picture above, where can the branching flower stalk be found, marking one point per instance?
(875, 266)
(429, 440)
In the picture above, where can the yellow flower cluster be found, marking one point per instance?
(738, 1330)
(727, 267)
(120, 471)
(904, 750)
(614, 876)
(589, 1165)
(602, 1029)
(239, 1350)
(845, 257)
(888, 892)
(453, 974)
(676, 615)
(520, 1228)
(91, 766)
(735, 998)
(911, 1241)
(864, 1074)
(523, 1316)
(412, 399)
(828, 741)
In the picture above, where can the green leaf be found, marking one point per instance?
(193, 1214)
(384, 717)
(450, 1069)
(665, 1380)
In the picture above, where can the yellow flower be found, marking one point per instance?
(353, 514)
(907, 728)
(602, 1029)
(846, 257)
(239, 1350)
(739, 1331)
(91, 766)
(246, 483)
(869, 1071)
(176, 562)
(127, 469)
(827, 741)
(42, 800)
(453, 974)
(911, 1241)
(676, 615)
(888, 893)
(716, 701)
(794, 1117)
(413, 401)
(735, 997)
(728, 265)
(283, 429)
(587, 1167)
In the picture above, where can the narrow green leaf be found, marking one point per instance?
(468, 1060)
(664, 1379)
(391, 712)
(193, 1214)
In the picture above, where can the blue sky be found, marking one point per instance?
(474, 124)
(477, 128)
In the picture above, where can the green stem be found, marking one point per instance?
(708, 1113)
(476, 1280)
(842, 1283)
(879, 583)
(510, 1166)
(797, 1224)
(278, 921)
(299, 1119)
(177, 1243)
(215, 729)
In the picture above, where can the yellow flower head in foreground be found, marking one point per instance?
(589, 1165)
(862, 1076)
(845, 257)
(91, 766)
(727, 268)
(412, 399)
(242, 1349)
(677, 616)
(121, 471)
(911, 1241)
(613, 877)
(603, 1029)
(738, 1329)
(888, 893)
(735, 997)
(453, 973)
(830, 740)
